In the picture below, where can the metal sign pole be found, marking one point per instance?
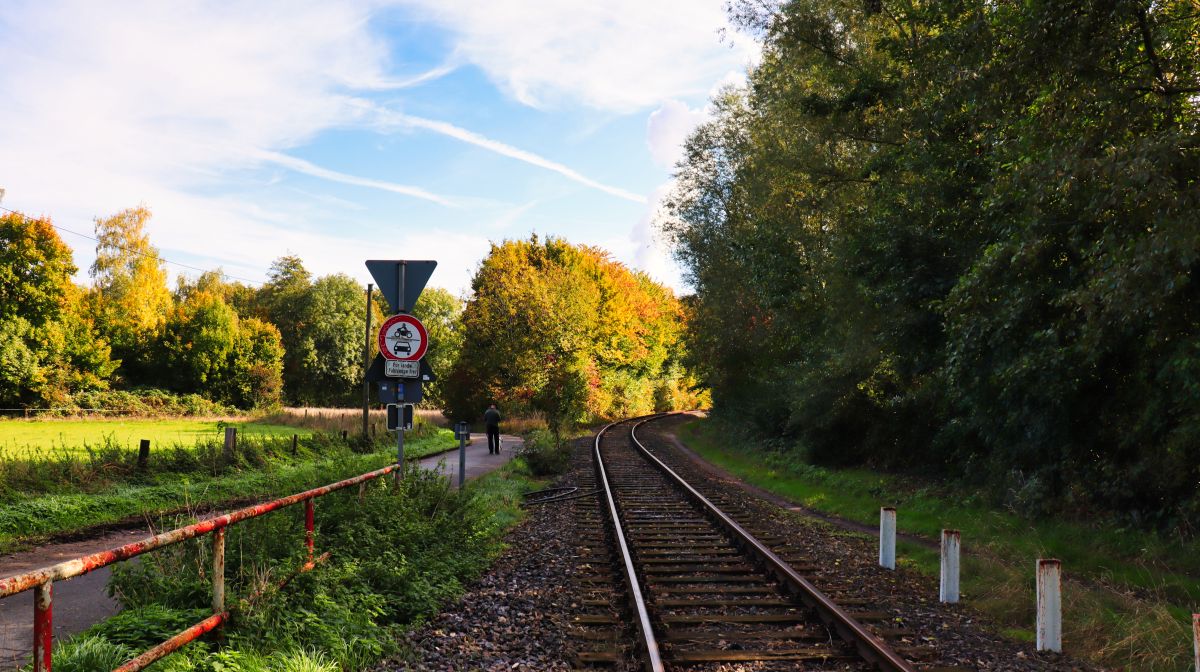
(367, 365)
(462, 457)
(401, 304)
(399, 453)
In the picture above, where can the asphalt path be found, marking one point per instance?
(479, 461)
(83, 601)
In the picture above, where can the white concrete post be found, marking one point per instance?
(1049, 605)
(951, 542)
(1196, 639)
(887, 537)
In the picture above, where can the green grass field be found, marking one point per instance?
(23, 438)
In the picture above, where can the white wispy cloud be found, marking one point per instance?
(192, 107)
(620, 55)
(309, 168)
(179, 106)
(407, 82)
(389, 118)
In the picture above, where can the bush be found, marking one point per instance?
(143, 402)
(88, 653)
(396, 555)
(545, 455)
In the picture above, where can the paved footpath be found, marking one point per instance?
(479, 462)
(82, 601)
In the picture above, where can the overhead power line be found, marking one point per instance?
(144, 254)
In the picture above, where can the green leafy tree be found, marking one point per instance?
(329, 347)
(20, 372)
(198, 343)
(959, 236)
(255, 379)
(48, 350)
(282, 301)
(208, 350)
(441, 313)
(243, 299)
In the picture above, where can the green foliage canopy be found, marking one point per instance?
(961, 236)
(441, 313)
(48, 348)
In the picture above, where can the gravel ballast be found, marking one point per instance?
(519, 615)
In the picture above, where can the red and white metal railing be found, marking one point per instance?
(41, 581)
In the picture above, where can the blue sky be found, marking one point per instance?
(418, 129)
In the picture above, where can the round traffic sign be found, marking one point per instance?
(404, 338)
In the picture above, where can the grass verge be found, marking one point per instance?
(59, 497)
(1131, 595)
(46, 437)
(397, 555)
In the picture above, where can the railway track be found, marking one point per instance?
(702, 589)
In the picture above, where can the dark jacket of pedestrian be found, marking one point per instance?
(491, 420)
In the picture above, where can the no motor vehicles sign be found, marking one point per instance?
(403, 340)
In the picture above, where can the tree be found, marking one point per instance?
(207, 349)
(198, 344)
(328, 346)
(48, 349)
(255, 378)
(562, 330)
(242, 298)
(959, 236)
(35, 269)
(441, 313)
(21, 376)
(130, 298)
(282, 301)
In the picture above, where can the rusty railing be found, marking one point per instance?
(41, 581)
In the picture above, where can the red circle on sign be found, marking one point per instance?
(403, 338)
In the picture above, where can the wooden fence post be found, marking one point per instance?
(230, 443)
(143, 455)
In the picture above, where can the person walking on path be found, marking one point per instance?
(491, 419)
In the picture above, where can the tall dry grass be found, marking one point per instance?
(335, 420)
(1119, 629)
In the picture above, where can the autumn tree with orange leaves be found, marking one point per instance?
(566, 331)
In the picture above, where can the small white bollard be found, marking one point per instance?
(1196, 639)
(887, 537)
(951, 543)
(1049, 605)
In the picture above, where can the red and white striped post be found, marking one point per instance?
(308, 528)
(43, 626)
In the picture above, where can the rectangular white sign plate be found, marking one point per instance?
(395, 368)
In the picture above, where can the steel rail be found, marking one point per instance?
(869, 646)
(650, 651)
